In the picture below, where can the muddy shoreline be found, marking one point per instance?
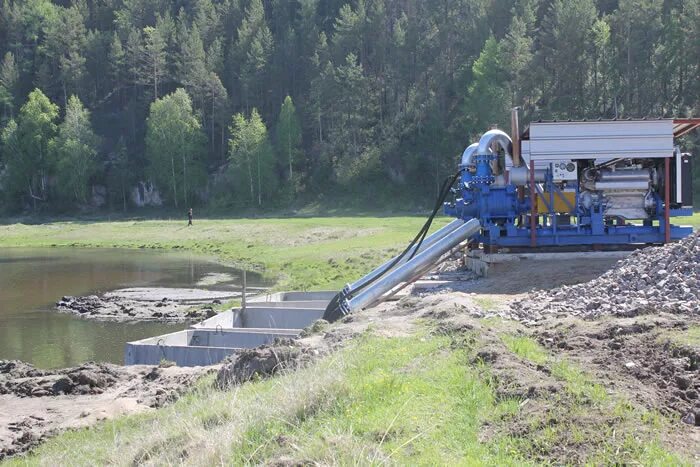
(36, 404)
(146, 304)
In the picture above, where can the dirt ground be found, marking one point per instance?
(36, 404)
(634, 362)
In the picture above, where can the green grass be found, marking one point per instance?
(417, 400)
(689, 337)
(612, 428)
(526, 348)
(693, 220)
(487, 303)
(304, 254)
(403, 400)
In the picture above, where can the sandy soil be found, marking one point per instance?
(36, 404)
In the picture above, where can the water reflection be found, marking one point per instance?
(32, 280)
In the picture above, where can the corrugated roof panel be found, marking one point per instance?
(601, 140)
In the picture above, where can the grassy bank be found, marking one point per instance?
(298, 253)
(421, 399)
(303, 254)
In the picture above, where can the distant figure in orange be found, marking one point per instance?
(189, 217)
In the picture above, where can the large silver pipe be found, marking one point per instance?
(515, 132)
(619, 185)
(468, 156)
(494, 136)
(521, 175)
(427, 242)
(410, 269)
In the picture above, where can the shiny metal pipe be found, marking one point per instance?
(493, 136)
(427, 242)
(468, 156)
(408, 270)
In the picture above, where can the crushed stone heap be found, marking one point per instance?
(651, 280)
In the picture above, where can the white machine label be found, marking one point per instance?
(564, 170)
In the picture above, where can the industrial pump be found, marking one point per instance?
(577, 184)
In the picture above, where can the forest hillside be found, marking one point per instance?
(265, 105)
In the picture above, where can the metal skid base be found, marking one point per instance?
(583, 237)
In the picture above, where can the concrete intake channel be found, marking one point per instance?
(265, 318)
(285, 314)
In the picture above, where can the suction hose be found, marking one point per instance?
(334, 309)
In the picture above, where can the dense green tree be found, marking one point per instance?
(251, 156)
(75, 150)
(9, 75)
(174, 141)
(26, 155)
(117, 63)
(487, 101)
(64, 47)
(152, 58)
(252, 50)
(288, 135)
(385, 91)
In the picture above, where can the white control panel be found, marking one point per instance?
(564, 171)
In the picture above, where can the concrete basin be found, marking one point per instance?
(199, 347)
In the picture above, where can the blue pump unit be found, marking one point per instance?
(576, 185)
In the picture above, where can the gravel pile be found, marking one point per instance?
(652, 280)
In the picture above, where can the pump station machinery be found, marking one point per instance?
(559, 184)
(576, 184)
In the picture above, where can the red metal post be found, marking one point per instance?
(667, 198)
(533, 206)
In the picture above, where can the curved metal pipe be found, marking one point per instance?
(468, 155)
(494, 136)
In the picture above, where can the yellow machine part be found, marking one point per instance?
(560, 205)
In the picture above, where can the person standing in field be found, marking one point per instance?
(189, 217)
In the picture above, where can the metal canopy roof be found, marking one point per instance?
(681, 126)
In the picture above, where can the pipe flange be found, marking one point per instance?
(487, 180)
(344, 307)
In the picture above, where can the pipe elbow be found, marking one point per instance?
(494, 136)
(468, 155)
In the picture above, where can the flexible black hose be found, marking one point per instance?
(333, 311)
(447, 184)
(445, 190)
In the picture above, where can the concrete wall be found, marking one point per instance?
(294, 296)
(266, 317)
(136, 354)
(199, 347)
(320, 304)
(281, 318)
(246, 339)
(259, 316)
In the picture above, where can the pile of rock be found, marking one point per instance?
(656, 279)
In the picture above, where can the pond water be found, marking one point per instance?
(32, 280)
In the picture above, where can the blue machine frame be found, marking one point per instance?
(506, 215)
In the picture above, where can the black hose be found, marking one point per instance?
(444, 191)
(333, 311)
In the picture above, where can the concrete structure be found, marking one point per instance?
(265, 318)
(275, 317)
(199, 347)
